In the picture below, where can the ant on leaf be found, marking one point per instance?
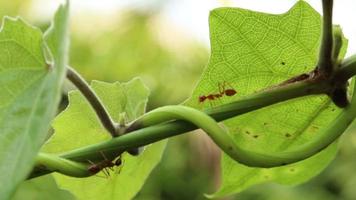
(222, 91)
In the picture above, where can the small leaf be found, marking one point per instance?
(29, 93)
(250, 52)
(78, 126)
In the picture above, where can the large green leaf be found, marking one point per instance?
(78, 126)
(29, 93)
(252, 51)
(42, 188)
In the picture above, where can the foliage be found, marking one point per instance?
(41, 189)
(79, 119)
(251, 52)
(29, 93)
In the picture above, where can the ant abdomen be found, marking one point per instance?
(230, 92)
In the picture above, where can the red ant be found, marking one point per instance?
(103, 165)
(222, 92)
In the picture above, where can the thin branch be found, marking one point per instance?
(93, 99)
(325, 63)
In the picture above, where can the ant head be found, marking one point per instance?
(118, 162)
(202, 98)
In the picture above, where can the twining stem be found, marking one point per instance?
(141, 135)
(51, 163)
(325, 63)
(148, 135)
(144, 136)
(93, 99)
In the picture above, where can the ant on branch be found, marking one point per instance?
(104, 165)
(222, 92)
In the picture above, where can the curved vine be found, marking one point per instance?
(251, 158)
(52, 163)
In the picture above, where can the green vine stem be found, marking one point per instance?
(347, 69)
(325, 63)
(48, 163)
(244, 156)
(153, 126)
(140, 136)
(146, 135)
(93, 99)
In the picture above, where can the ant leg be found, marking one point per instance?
(220, 101)
(106, 172)
(100, 176)
(119, 170)
(219, 87)
(111, 168)
(228, 84)
(105, 158)
(89, 161)
(213, 103)
(106, 169)
(210, 103)
(222, 88)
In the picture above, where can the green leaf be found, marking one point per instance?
(29, 93)
(41, 188)
(79, 126)
(252, 51)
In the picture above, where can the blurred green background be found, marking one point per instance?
(138, 42)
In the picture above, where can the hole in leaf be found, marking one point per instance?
(255, 136)
(283, 63)
(247, 132)
(288, 135)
